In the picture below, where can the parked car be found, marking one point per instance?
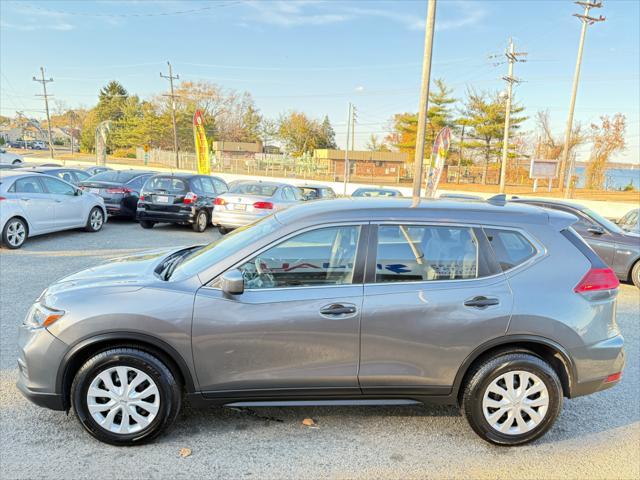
(32, 204)
(376, 192)
(249, 200)
(71, 175)
(368, 300)
(618, 248)
(95, 169)
(120, 189)
(631, 221)
(317, 192)
(9, 158)
(38, 145)
(182, 198)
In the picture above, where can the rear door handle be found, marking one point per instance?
(337, 309)
(25, 199)
(481, 302)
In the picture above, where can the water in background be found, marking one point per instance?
(616, 178)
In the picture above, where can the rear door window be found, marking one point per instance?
(55, 186)
(410, 253)
(220, 186)
(138, 182)
(207, 186)
(27, 185)
(511, 248)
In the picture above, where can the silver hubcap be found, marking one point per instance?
(96, 219)
(202, 221)
(123, 400)
(515, 402)
(16, 233)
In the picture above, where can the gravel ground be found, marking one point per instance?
(596, 436)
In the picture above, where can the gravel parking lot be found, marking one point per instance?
(595, 437)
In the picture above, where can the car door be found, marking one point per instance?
(208, 192)
(38, 205)
(295, 329)
(432, 294)
(69, 206)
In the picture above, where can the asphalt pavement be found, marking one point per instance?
(595, 437)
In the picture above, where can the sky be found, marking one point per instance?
(317, 56)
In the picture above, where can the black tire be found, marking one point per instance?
(482, 377)
(147, 223)
(201, 221)
(635, 274)
(16, 162)
(169, 392)
(223, 231)
(95, 220)
(11, 237)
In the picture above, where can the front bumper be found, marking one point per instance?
(39, 356)
(594, 363)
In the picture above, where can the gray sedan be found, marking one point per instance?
(248, 201)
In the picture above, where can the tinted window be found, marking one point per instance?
(27, 185)
(207, 186)
(424, 253)
(287, 194)
(510, 248)
(219, 185)
(137, 183)
(65, 175)
(53, 185)
(254, 189)
(115, 176)
(196, 185)
(81, 176)
(321, 257)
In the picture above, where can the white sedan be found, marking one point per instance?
(33, 204)
(8, 158)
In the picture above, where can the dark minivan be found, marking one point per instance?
(182, 198)
(120, 189)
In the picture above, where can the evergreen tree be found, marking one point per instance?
(327, 135)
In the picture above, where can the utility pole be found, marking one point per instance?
(460, 153)
(424, 101)
(346, 150)
(44, 82)
(512, 57)
(586, 20)
(171, 78)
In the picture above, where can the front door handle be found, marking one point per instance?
(338, 309)
(481, 302)
(25, 199)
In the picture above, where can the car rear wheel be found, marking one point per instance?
(14, 233)
(635, 274)
(223, 231)
(147, 224)
(200, 222)
(512, 399)
(95, 220)
(125, 396)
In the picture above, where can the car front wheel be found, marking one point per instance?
(512, 399)
(95, 220)
(125, 396)
(14, 233)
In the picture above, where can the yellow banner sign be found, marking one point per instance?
(202, 146)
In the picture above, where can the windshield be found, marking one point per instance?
(257, 189)
(114, 176)
(608, 224)
(225, 246)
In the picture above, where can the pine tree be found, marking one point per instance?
(327, 135)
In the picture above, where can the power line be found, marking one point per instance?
(142, 14)
(46, 96)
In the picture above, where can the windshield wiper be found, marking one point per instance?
(170, 265)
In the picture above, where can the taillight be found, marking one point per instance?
(141, 198)
(3, 198)
(219, 201)
(597, 279)
(190, 198)
(123, 190)
(614, 377)
(263, 205)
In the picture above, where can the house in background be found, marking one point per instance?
(362, 163)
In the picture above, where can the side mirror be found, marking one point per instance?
(78, 192)
(232, 282)
(596, 230)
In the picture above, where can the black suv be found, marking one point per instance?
(182, 198)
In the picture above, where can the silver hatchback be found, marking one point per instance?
(501, 309)
(248, 201)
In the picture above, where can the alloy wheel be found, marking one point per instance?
(123, 400)
(515, 403)
(96, 219)
(16, 233)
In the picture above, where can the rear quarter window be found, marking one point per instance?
(511, 248)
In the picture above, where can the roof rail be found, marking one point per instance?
(500, 199)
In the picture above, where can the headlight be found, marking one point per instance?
(41, 316)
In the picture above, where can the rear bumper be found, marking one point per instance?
(187, 216)
(234, 220)
(594, 364)
(119, 210)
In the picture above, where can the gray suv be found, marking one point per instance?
(499, 308)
